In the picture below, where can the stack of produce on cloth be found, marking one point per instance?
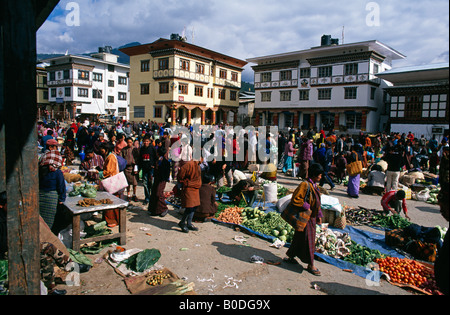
(271, 224)
(362, 255)
(86, 190)
(410, 273)
(360, 216)
(332, 243)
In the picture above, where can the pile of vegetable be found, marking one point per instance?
(157, 278)
(362, 255)
(86, 190)
(143, 260)
(271, 224)
(391, 221)
(360, 216)
(333, 244)
(231, 215)
(410, 272)
(433, 196)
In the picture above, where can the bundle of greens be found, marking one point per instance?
(143, 260)
(86, 190)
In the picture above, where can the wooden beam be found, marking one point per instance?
(18, 110)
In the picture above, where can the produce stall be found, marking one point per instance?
(78, 205)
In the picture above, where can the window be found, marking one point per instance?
(286, 75)
(304, 95)
(350, 93)
(67, 91)
(184, 64)
(266, 77)
(163, 87)
(351, 69)
(122, 111)
(111, 83)
(305, 73)
(324, 94)
(376, 68)
(145, 65)
(157, 111)
(53, 92)
(222, 94)
(111, 68)
(122, 96)
(435, 106)
(145, 89)
(266, 96)
(234, 76)
(83, 75)
(200, 68)
(123, 80)
(45, 95)
(110, 99)
(233, 95)
(353, 121)
(163, 64)
(66, 74)
(325, 72)
(210, 93)
(83, 92)
(183, 88)
(223, 74)
(97, 93)
(198, 90)
(97, 77)
(373, 91)
(52, 76)
(285, 96)
(139, 111)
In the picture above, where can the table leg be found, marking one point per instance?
(123, 226)
(76, 232)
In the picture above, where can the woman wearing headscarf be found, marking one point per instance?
(306, 197)
(52, 186)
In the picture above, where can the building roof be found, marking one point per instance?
(162, 44)
(329, 50)
(47, 62)
(421, 73)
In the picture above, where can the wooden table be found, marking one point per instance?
(77, 211)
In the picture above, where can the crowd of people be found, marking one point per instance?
(145, 152)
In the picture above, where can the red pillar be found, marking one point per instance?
(312, 120)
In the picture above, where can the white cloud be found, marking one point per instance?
(244, 29)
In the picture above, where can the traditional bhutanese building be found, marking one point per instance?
(417, 100)
(331, 86)
(173, 80)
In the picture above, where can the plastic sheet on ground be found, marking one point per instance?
(365, 238)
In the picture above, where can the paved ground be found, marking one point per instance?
(219, 265)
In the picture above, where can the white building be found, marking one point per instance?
(331, 86)
(91, 85)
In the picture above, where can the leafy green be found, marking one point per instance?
(143, 260)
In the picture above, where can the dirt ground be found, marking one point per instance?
(217, 264)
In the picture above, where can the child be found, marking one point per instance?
(341, 163)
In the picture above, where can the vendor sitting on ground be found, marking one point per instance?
(244, 188)
(376, 181)
(208, 204)
(394, 201)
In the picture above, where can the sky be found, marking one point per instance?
(251, 28)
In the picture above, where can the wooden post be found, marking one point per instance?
(19, 21)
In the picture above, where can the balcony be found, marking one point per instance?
(62, 82)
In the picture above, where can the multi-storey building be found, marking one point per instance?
(331, 86)
(172, 80)
(90, 85)
(42, 92)
(418, 100)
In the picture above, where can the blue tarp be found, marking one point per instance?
(369, 239)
